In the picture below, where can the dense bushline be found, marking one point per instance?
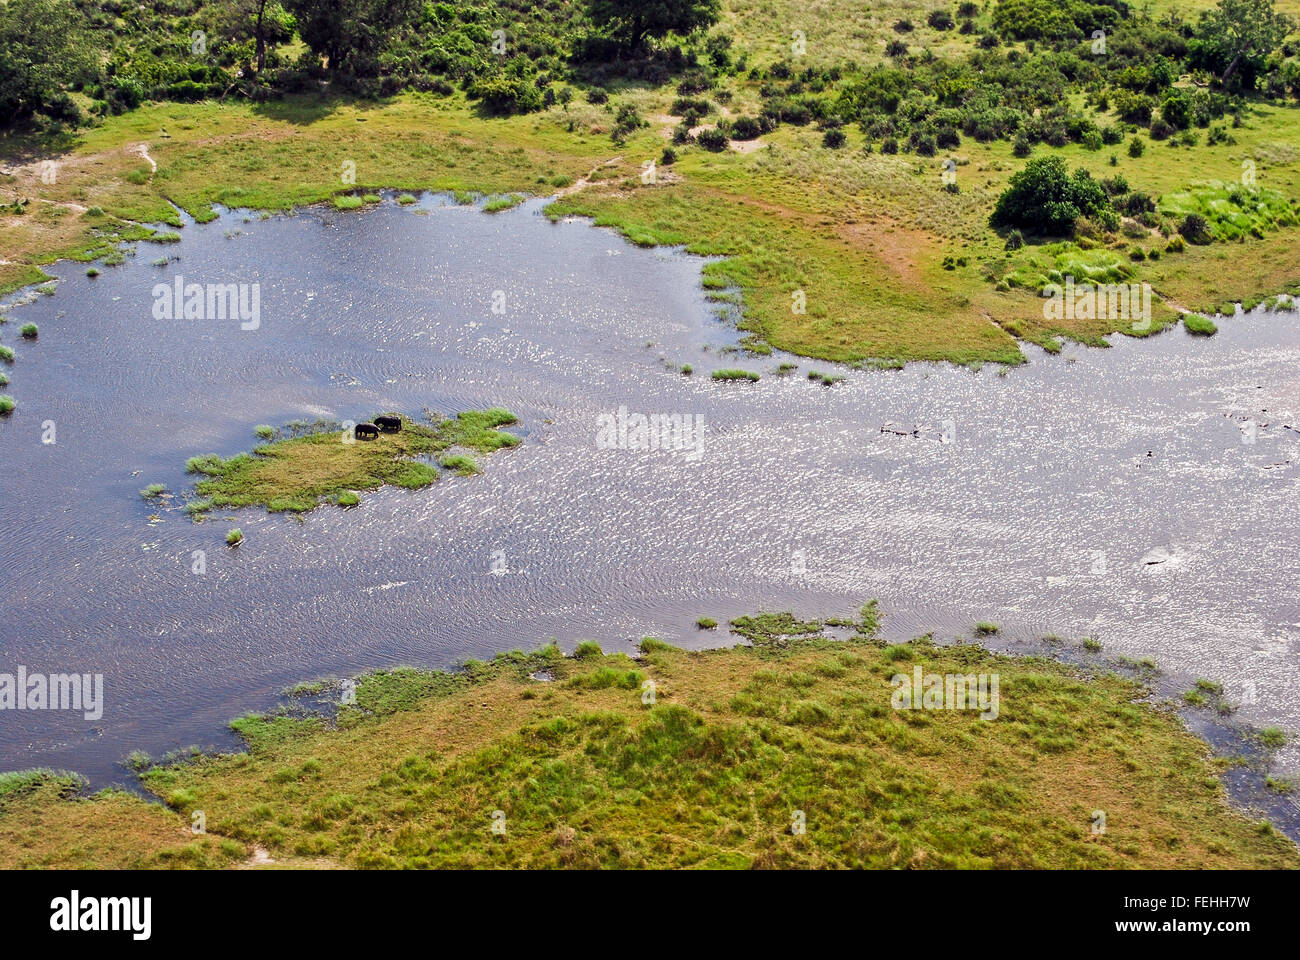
(522, 56)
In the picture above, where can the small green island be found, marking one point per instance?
(299, 473)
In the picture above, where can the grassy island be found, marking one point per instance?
(676, 759)
(300, 473)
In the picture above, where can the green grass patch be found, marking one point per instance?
(708, 774)
(735, 374)
(299, 473)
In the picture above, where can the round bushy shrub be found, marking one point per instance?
(712, 139)
(1196, 229)
(1044, 197)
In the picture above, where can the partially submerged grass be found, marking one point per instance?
(1201, 326)
(497, 204)
(153, 490)
(301, 472)
(7, 405)
(734, 374)
(709, 772)
(459, 463)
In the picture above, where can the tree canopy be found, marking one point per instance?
(41, 50)
(1240, 33)
(1044, 198)
(352, 35)
(632, 21)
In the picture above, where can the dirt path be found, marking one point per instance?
(582, 183)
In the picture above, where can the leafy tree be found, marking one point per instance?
(1055, 19)
(42, 49)
(1044, 198)
(1239, 33)
(352, 34)
(633, 21)
(264, 22)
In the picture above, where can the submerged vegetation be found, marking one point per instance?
(787, 753)
(301, 472)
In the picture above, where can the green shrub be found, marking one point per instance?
(6, 405)
(235, 537)
(1196, 229)
(1044, 197)
(712, 139)
(1199, 325)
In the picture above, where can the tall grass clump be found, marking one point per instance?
(734, 374)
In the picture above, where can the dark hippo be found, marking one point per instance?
(365, 431)
(389, 424)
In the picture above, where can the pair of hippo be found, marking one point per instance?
(368, 431)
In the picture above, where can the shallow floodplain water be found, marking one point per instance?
(1120, 493)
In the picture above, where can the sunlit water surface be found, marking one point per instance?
(1120, 493)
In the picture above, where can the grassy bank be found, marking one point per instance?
(585, 773)
(844, 253)
(299, 473)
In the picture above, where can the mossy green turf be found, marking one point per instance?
(300, 473)
(710, 772)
